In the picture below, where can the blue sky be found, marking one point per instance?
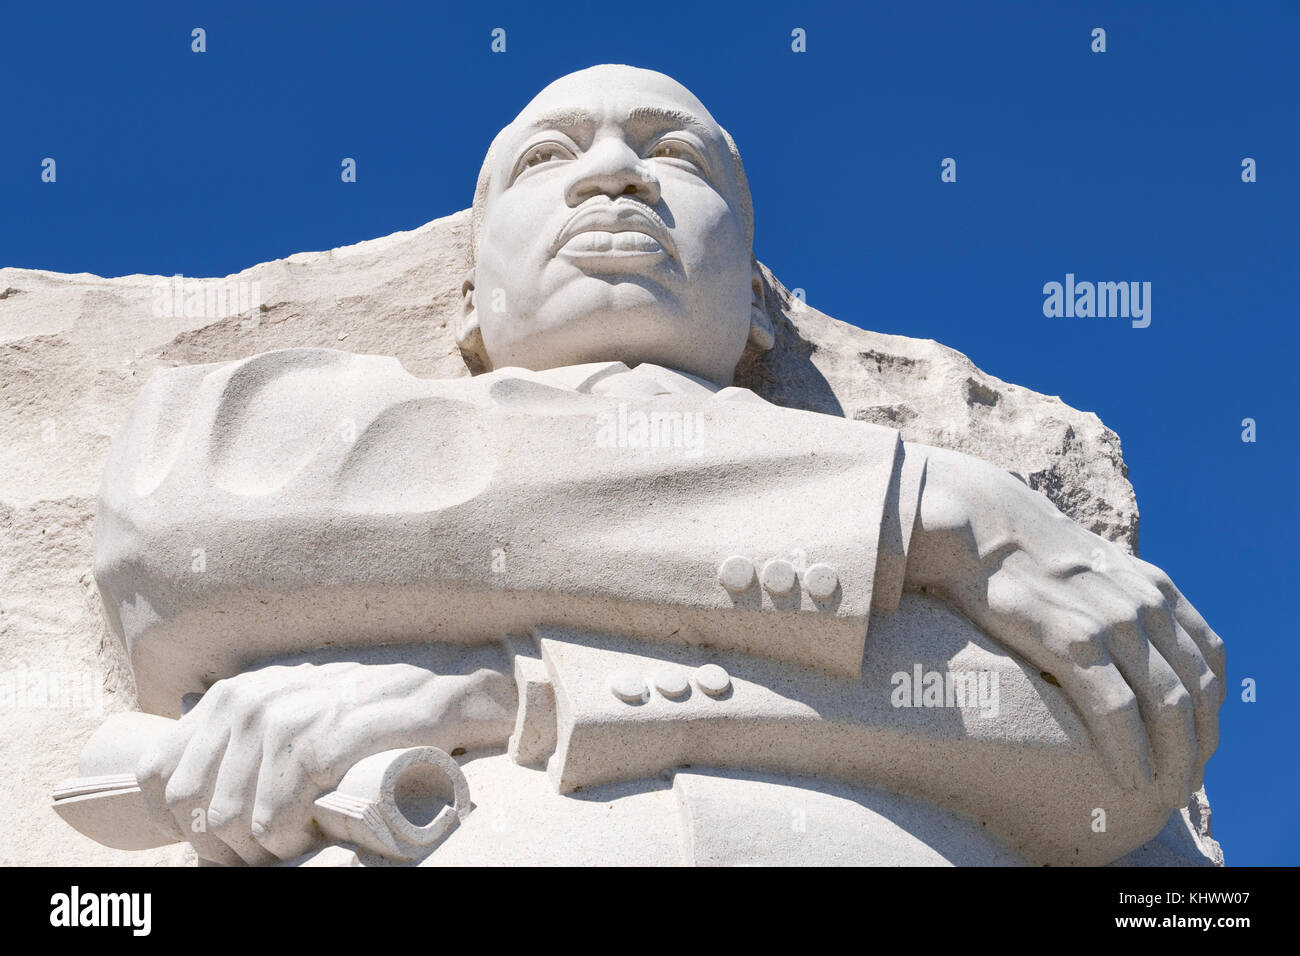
(1117, 166)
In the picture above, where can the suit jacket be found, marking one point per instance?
(628, 522)
(310, 498)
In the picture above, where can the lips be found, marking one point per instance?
(619, 228)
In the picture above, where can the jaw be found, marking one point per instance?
(630, 336)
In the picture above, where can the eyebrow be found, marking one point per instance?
(565, 119)
(663, 118)
(643, 116)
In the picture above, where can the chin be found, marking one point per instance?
(669, 338)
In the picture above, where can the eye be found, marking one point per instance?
(543, 153)
(678, 150)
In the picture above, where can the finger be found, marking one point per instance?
(1162, 668)
(1184, 656)
(1111, 711)
(189, 791)
(1072, 650)
(1205, 709)
(282, 809)
(1166, 709)
(230, 814)
(1208, 642)
(156, 767)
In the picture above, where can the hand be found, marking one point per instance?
(241, 771)
(1141, 665)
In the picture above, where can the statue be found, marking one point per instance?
(596, 604)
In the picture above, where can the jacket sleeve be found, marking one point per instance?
(309, 499)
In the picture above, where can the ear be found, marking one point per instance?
(468, 335)
(761, 335)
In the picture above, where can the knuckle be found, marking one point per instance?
(1141, 590)
(245, 720)
(153, 768)
(1152, 606)
(1116, 700)
(1124, 633)
(218, 694)
(279, 831)
(1179, 701)
(1145, 598)
(224, 818)
(1086, 652)
(1152, 572)
(181, 792)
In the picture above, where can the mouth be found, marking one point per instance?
(618, 230)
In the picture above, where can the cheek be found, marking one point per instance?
(507, 260)
(514, 233)
(709, 235)
(718, 265)
(721, 269)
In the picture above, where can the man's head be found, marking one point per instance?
(612, 222)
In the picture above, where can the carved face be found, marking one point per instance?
(612, 230)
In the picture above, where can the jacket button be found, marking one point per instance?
(629, 687)
(736, 574)
(820, 581)
(672, 683)
(778, 576)
(713, 680)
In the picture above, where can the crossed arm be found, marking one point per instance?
(1141, 665)
(240, 771)
(1137, 660)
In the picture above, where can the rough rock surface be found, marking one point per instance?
(75, 350)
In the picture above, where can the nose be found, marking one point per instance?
(611, 168)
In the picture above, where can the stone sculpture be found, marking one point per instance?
(638, 614)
